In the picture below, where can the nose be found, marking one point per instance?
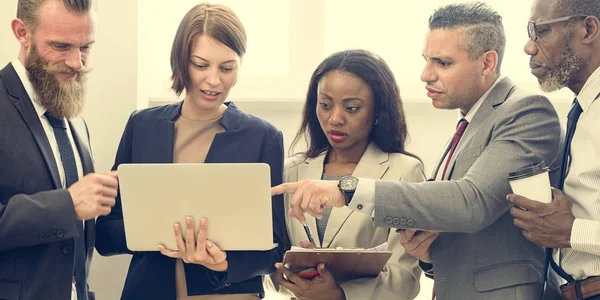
(337, 116)
(74, 60)
(428, 75)
(530, 48)
(212, 78)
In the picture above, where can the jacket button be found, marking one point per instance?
(388, 220)
(66, 250)
(410, 223)
(396, 221)
(360, 206)
(60, 234)
(403, 222)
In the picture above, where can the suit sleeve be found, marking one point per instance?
(526, 133)
(110, 230)
(244, 265)
(400, 277)
(41, 218)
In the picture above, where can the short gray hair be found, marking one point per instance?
(28, 10)
(484, 29)
(578, 7)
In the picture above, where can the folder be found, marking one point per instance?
(343, 263)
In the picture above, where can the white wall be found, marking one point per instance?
(287, 39)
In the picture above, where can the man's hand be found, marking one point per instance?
(418, 243)
(196, 250)
(94, 194)
(547, 225)
(323, 286)
(310, 196)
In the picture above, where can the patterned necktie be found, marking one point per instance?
(67, 157)
(572, 119)
(460, 129)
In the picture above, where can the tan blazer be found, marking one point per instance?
(345, 228)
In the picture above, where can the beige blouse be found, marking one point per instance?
(192, 142)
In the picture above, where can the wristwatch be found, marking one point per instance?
(347, 186)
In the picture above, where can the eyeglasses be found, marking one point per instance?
(532, 25)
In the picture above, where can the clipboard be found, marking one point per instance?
(344, 264)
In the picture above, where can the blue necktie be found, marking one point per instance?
(572, 119)
(68, 161)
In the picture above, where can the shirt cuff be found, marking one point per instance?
(585, 236)
(364, 197)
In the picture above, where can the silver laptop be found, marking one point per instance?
(234, 198)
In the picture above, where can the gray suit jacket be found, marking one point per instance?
(37, 218)
(480, 254)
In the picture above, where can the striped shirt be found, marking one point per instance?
(582, 186)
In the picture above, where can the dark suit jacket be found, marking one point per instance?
(149, 138)
(37, 218)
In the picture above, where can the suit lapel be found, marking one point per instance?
(373, 164)
(313, 168)
(496, 97)
(87, 164)
(23, 104)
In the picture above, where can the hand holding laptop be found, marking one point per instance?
(198, 250)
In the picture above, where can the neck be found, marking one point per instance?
(486, 84)
(347, 156)
(191, 111)
(580, 78)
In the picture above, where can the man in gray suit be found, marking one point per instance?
(49, 195)
(479, 253)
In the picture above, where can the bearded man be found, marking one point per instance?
(49, 193)
(564, 47)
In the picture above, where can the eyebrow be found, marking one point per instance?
(69, 44)
(438, 58)
(345, 99)
(206, 60)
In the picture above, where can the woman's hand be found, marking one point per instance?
(323, 286)
(196, 250)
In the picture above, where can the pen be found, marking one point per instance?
(310, 238)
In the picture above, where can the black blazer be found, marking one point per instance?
(37, 218)
(149, 138)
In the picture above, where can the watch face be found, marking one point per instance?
(349, 183)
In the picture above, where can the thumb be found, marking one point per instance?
(321, 268)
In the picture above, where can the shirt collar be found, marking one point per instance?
(22, 73)
(590, 91)
(469, 116)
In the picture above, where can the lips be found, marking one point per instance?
(536, 69)
(337, 136)
(432, 93)
(210, 95)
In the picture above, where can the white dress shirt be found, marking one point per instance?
(582, 186)
(40, 110)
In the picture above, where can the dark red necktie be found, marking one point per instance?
(460, 129)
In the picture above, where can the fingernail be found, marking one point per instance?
(209, 244)
(188, 220)
(508, 198)
(203, 222)
(176, 226)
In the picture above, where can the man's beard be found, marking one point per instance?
(62, 100)
(560, 75)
